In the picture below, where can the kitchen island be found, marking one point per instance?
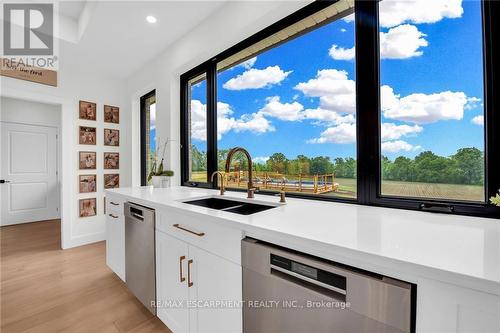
(453, 260)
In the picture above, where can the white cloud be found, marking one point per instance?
(472, 103)
(283, 111)
(328, 117)
(327, 81)
(343, 133)
(346, 133)
(224, 122)
(398, 145)
(396, 12)
(340, 53)
(402, 42)
(198, 120)
(478, 120)
(337, 105)
(260, 159)
(254, 122)
(343, 30)
(391, 131)
(152, 116)
(247, 64)
(421, 108)
(336, 91)
(257, 78)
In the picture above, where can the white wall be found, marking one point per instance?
(20, 111)
(231, 24)
(78, 84)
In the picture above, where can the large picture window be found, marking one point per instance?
(384, 103)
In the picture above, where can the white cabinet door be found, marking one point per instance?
(28, 168)
(214, 279)
(171, 282)
(115, 243)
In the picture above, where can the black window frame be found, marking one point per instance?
(144, 149)
(368, 121)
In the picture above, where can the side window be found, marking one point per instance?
(432, 123)
(197, 115)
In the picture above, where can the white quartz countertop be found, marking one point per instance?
(404, 244)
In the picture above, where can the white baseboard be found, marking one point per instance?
(84, 240)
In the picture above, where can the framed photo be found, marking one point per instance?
(111, 180)
(87, 183)
(111, 137)
(111, 114)
(87, 135)
(111, 161)
(88, 110)
(87, 160)
(88, 207)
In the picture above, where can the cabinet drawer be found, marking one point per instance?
(113, 218)
(114, 204)
(202, 231)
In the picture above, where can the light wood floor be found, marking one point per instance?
(46, 289)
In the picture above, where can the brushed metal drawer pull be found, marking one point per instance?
(178, 226)
(182, 278)
(114, 203)
(190, 283)
(113, 216)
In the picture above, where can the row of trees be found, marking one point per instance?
(464, 167)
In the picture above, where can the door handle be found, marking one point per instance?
(190, 283)
(113, 203)
(178, 226)
(3, 181)
(182, 278)
(113, 216)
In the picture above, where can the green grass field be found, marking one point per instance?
(347, 189)
(418, 190)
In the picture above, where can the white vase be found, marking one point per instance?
(161, 181)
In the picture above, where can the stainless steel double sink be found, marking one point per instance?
(230, 205)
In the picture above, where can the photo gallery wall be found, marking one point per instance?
(88, 181)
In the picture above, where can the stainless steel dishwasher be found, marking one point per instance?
(140, 272)
(289, 292)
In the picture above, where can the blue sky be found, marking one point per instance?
(298, 98)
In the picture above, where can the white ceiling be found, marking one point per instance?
(117, 40)
(72, 9)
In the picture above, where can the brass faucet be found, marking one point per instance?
(222, 186)
(250, 188)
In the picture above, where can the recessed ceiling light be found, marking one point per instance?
(151, 19)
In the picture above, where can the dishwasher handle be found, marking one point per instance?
(308, 280)
(136, 213)
(137, 216)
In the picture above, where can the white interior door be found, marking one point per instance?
(28, 173)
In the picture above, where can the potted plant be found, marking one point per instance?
(159, 177)
(496, 199)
